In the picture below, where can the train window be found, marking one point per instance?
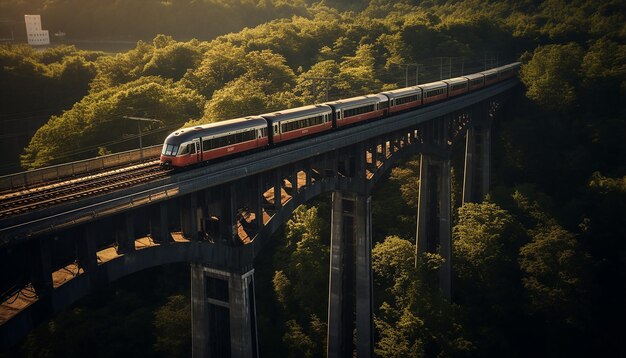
(302, 123)
(171, 149)
(192, 148)
(435, 92)
(359, 110)
(459, 86)
(184, 149)
(382, 105)
(407, 99)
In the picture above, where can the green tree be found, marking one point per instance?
(483, 241)
(171, 321)
(297, 342)
(552, 75)
(357, 74)
(407, 176)
(239, 98)
(552, 265)
(173, 60)
(413, 318)
(97, 121)
(221, 64)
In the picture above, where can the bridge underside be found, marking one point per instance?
(220, 230)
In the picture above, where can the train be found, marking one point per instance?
(194, 145)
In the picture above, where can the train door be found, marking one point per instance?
(196, 150)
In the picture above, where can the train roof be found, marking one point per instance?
(452, 81)
(357, 101)
(187, 134)
(474, 76)
(510, 65)
(433, 85)
(491, 71)
(310, 110)
(402, 92)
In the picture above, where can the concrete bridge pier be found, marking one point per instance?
(159, 223)
(434, 216)
(190, 212)
(350, 282)
(223, 313)
(476, 176)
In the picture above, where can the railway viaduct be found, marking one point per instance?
(219, 217)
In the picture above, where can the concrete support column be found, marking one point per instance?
(309, 172)
(350, 282)
(41, 265)
(41, 276)
(374, 155)
(486, 160)
(360, 161)
(256, 200)
(477, 175)
(434, 216)
(159, 230)
(228, 205)
(468, 172)
(243, 332)
(445, 234)
(86, 248)
(189, 216)
(223, 313)
(125, 232)
(278, 184)
(293, 179)
(364, 310)
(422, 207)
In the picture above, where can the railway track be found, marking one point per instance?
(52, 194)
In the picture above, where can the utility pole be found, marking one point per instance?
(417, 73)
(406, 71)
(139, 120)
(440, 68)
(327, 79)
(406, 76)
(462, 65)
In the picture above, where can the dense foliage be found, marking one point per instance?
(541, 260)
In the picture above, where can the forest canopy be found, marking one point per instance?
(541, 259)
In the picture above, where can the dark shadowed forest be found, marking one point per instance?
(539, 266)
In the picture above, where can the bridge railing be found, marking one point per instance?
(35, 176)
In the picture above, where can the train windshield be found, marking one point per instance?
(169, 149)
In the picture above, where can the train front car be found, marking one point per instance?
(403, 99)
(189, 146)
(359, 109)
(298, 122)
(171, 155)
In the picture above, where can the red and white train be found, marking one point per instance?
(189, 146)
